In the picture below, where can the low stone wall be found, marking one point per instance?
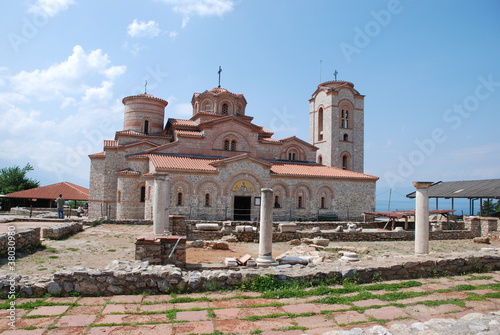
(23, 239)
(62, 231)
(159, 250)
(139, 277)
(335, 236)
(481, 226)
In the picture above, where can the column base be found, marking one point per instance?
(265, 261)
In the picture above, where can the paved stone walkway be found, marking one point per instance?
(348, 307)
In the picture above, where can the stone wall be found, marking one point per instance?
(334, 236)
(139, 277)
(23, 239)
(161, 250)
(481, 226)
(62, 231)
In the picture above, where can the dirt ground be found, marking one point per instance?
(96, 247)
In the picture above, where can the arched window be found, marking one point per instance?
(320, 124)
(322, 202)
(207, 200)
(146, 127)
(299, 202)
(119, 196)
(346, 137)
(226, 145)
(346, 162)
(277, 202)
(208, 106)
(179, 199)
(344, 119)
(225, 109)
(320, 159)
(143, 194)
(291, 156)
(233, 145)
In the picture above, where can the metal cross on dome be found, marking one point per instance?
(335, 74)
(220, 70)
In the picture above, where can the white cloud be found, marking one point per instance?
(143, 29)
(182, 109)
(50, 7)
(55, 117)
(71, 76)
(201, 7)
(189, 8)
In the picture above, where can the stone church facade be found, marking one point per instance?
(217, 161)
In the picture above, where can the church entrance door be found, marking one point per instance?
(242, 208)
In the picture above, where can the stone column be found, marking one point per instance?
(422, 217)
(160, 203)
(265, 258)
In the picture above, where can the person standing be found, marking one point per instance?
(60, 207)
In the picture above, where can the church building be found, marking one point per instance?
(217, 161)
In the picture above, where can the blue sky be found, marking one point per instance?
(429, 69)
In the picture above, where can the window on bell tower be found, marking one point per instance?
(344, 119)
(320, 124)
(225, 109)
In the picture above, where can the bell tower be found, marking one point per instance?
(336, 125)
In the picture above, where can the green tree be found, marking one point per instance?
(13, 179)
(490, 207)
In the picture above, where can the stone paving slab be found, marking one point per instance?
(115, 315)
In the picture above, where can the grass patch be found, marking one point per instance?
(284, 329)
(257, 331)
(188, 299)
(394, 296)
(493, 295)
(72, 249)
(53, 257)
(474, 277)
(51, 249)
(277, 315)
(111, 250)
(465, 288)
(471, 296)
(453, 301)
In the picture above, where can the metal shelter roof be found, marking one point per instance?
(468, 189)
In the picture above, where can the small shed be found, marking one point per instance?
(44, 196)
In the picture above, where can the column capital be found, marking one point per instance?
(266, 190)
(422, 184)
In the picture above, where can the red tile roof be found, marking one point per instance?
(306, 170)
(98, 155)
(135, 133)
(183, 123)
(164, 162)
(189, 133)
(69, 191)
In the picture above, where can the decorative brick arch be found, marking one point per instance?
(293, 149)
(345, 160)
(180, 185)
(208, 182)
(209, 102)
(242, 143)
(301, 194)
(280, 194)
(324, 196)
(230, 105)
(346, 114)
